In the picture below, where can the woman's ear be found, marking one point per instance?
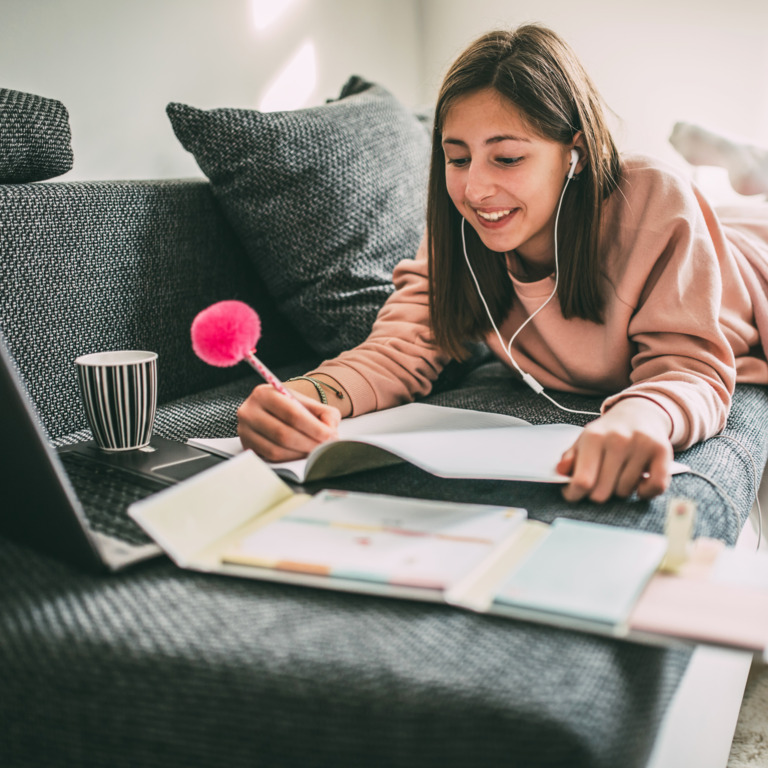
(580, 146)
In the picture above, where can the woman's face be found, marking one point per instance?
(504, 179)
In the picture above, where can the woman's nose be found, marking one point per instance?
(480, 185)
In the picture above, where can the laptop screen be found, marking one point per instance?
(43, 510)
(40, 507)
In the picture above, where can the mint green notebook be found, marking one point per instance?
(584, 570)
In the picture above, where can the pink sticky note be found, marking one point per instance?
(697, 609)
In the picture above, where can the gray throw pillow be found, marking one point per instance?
(325, 200)
(35, 138)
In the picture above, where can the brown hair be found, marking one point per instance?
(540, 75)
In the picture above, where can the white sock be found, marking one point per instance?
(746, 164)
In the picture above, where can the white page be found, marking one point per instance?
(422, 417)
(505, 453)
(404, 419)
(221, 446)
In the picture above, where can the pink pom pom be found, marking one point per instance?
(225, 333)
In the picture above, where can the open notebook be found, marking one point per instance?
(241, 519)
(447, 442)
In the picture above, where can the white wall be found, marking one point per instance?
(655, 62)
(116, 64)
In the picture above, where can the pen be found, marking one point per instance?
(267, 375)
(226, 333)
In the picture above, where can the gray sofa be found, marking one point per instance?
(156, 666)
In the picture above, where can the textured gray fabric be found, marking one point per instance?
(325, 200)
(35, 139)
(88, 267)
(163, 668)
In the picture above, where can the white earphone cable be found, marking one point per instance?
(507, 347)
(539, 390)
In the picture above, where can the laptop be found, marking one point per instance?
(71, 502)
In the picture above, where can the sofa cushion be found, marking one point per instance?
(326, 201)
(35, 139)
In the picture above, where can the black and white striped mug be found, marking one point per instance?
(119, 391)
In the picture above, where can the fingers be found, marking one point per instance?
(657, 479)
(280, 428)
(587, 460)
(602, 466)
(565, 465)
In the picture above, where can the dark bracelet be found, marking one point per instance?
(318, 385)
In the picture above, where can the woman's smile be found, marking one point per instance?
(495, 219)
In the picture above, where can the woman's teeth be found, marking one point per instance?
(495, 216)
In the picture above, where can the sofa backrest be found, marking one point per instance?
(93, 266)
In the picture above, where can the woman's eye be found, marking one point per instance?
(509, 160)
(459, 162)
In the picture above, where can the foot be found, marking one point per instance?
(746, 164)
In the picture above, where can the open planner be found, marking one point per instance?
(445, 441)
(239, 518)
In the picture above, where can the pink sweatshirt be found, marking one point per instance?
(686, 291)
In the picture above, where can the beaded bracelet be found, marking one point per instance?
(319, 386)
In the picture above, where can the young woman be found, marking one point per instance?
(585, 271)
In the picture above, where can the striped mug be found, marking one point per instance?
(119, 391)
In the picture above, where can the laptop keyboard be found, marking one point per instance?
(105, 494)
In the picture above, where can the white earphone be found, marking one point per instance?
(527, 378)
(574, 162)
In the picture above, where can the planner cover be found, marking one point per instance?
(719, 594)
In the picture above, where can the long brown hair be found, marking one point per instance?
(540, 75)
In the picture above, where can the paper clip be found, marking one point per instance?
(681, 516)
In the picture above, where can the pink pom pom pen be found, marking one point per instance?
(226, 333)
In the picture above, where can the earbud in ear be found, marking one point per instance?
(574, 161)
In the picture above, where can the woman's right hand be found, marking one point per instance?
(280, 428)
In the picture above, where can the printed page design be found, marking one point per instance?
(383, 539)
(585, 570)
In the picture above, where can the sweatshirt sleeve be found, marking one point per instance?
(682, 360)
(398, 361)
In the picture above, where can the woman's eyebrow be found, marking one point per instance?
(492, 140)
(497, 139)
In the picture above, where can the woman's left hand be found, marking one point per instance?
(627, 449)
